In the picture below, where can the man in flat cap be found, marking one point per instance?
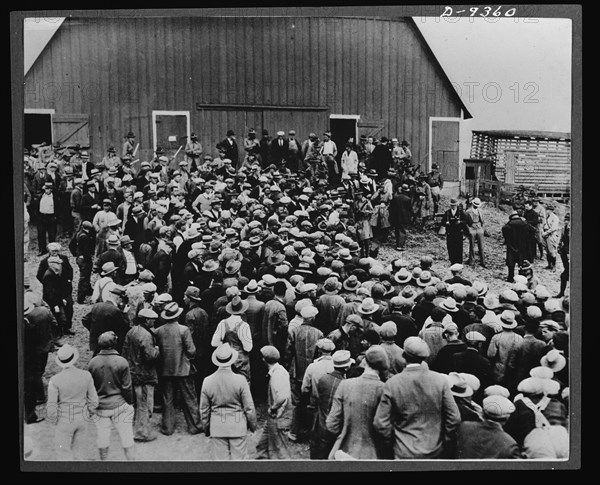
(417, 413)
(487, 439)
(142, 353)
(274, 442)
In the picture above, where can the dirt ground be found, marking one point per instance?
(184, 447)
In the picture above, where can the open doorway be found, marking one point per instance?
(37, 128)
(171, 132)
(343, 128)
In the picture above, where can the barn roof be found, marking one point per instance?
(538, 135)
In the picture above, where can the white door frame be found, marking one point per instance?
(43, 111)
(348, 117)
(441, 118)
(168, 113)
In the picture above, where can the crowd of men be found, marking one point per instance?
(252, 277)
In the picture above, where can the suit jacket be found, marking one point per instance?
(351, 418)
(274, 325)
(444, 360)
(105, 316)
(405, 325)
(302, 344)
(484, 440)
(231, 151)
(417, 412)
(196, 319)
(329, 307)
(160, 266)
(39, 331)
(526, 356)
(254, 317)
(140, 351)
(472, 362)
(87, 201)
(176, 349)
(279, 152)
(226, 405)
(67, 271)
(400, 210)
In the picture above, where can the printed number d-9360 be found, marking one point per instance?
(483, 12)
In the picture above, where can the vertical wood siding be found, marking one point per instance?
(120, 70)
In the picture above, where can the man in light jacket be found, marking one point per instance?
(227, 410)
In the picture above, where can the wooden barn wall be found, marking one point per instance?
(119, 70)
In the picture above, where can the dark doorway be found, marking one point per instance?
(38, 129)
(341, 131)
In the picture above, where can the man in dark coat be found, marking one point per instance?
(471, 361)
(231, 149)
(134, 228)
(86, 245)
(444, 359)
(455, 223)
(381, 158)
(161, 260)
(90, 202)
(527, 355)
(400, 212)
(517, 237)
(400, 315)
(279, 148)
(106, 316)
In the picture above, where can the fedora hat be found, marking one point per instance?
(554, 360)
(449, 304)
(113, 240)
(344, 253)
(210, 265)
(255, 241)
(108, 268)
(403, 276)
(171, 311)
(368, 306)
(224, 355)
(232, 266)
(331, 286)
(351, 283)
(236, 306)
(476, 202)
(276, 258)
(481, 287)
(66, 356)
(425, 279)
(251, 287)
(507, 319)
(193, 293)
(453, 202)
(458, 385)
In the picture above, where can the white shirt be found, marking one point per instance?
(47, 204)
(106, 283)
(329, 148)
(131, 267)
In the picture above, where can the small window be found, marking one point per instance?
(470, 173)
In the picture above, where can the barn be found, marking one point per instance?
(97, 78)
(537, 159)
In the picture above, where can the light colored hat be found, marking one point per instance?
(54, 246)
(550, 324)
(491, 301)
(554, 360)
(193, 293)
(163, 298)
(474, 336)
(236, 306)
(388, 330)
(417, 347)
(331, 285)
(224, 355)
(472, 381)
(481, 287)
(171, 311)
(251, 287)
(326, 345)
(403, 276)
(541, 292)
(531, 385)
(496, 390)
(456, 267)
(270, 352)
(498, 407)
(149, 288)
(449, 304)
(66, 356)
(309, 311)
(520, 279)
(425, 279)
(341, 358)
(194, 253)
(108, 268)
(368, 306)
(458, 385)
(147, 313)
(534, 311)
(542, 372)
(476, 202)
(507, 319)
(509, 296)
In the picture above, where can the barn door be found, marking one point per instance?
(444, 147)
(71, 129)
(368, 128)
(171, 131)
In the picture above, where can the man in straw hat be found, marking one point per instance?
(177, 350)
(72, 398)
(235, 331)
(417, 412)
(105, 283)
(487, 439)
(142, 353)
(227, 410)
(112, 380)
(353, 411)
(274, 442)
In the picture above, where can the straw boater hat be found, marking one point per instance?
(108, 268)
(193, 293)
(66, 356)
(425, 279)
(554, 360)
(210, 265)
(236, 306)
(449, 304)
(224, 355)
(251, 287)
